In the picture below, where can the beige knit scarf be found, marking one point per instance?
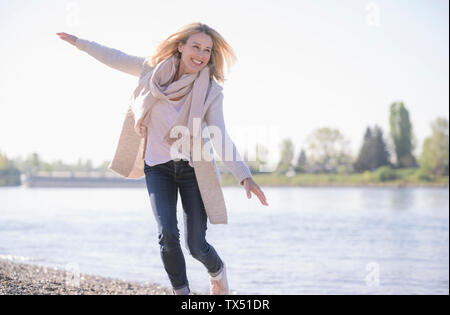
(157, 85)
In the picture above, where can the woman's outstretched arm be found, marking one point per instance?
(111, 57)
(214, 118)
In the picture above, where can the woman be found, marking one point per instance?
(178, 88)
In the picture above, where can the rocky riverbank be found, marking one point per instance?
(26, 279)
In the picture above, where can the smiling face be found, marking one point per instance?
(195, 54)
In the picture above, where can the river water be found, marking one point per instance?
(308, 241)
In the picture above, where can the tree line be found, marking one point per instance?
(327, 151)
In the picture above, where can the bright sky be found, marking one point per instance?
(302, 65)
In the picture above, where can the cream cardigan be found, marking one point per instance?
(128, 160)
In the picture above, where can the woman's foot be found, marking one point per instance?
(182, 291)
(219, 283)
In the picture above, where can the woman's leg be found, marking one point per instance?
(163, 193)
(195, 220)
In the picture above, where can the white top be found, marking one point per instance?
(164, 113)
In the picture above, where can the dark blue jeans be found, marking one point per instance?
(163, 182)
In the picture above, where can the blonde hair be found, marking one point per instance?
(221, 51)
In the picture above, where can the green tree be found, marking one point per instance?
(260, 160)
(402, 135)
(79, 166)
(59, 166)
(382, 154)
(85, 166)
(302, 162)
(31, 164)
(365, 157)
(3, 161)
(88, 166)
(435, 152)
(329, 151)
(373, 152)
(262, 154)
(9, 173)
(287, 154)
(104, 166)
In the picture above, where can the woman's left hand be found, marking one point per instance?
(251, 187)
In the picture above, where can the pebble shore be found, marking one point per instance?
(26, 279)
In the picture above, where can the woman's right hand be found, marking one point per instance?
(68, 38)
